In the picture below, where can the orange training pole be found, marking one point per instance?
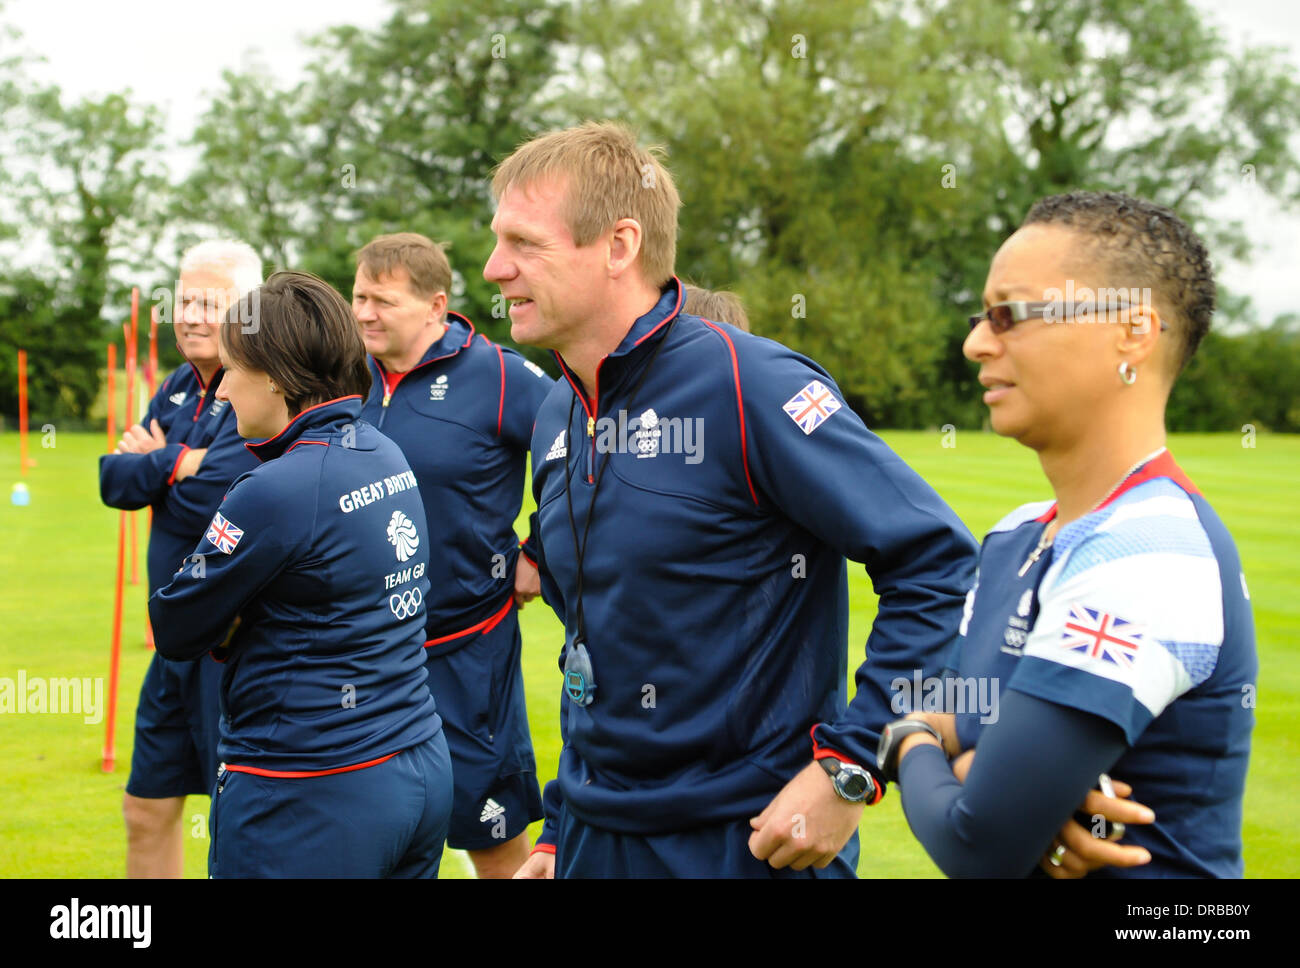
(112, 404)
(151, 377)
(22, 413)
(151, 369)
(131, 362)
(109, 759)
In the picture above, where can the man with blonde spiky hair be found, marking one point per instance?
(698, 489)
(180, 459)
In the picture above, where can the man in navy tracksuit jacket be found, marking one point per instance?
(179, 460)
(712, 484)
(462, 410)
(333, 761)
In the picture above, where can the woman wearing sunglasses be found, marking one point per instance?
(1114, 621)
(334, 761)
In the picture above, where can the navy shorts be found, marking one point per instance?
(479, 689)
(718, 850)
(177, 726)
(386, 820)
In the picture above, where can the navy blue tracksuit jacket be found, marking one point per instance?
(191, 418)
(464, 418)
(715, 586)
(322, 551)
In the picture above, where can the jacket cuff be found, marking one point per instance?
(529, 554)
(176, 465)
(833, 745)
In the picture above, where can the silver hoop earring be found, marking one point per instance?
(1128, 373)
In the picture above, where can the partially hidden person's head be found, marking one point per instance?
(213, 276)
(399, 297)
(718, 305)
(586, 225)
(1091, 309)
(288, 345)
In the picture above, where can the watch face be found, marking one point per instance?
(854, 785)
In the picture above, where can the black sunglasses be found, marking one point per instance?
(1003, 316)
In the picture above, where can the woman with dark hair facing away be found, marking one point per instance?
(333, 758)
(1114, 621)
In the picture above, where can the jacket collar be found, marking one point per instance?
(642, 331)
(642, 334)
(456, 337)
(319, 423)
(204, 388)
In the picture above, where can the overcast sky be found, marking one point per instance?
(172, 54)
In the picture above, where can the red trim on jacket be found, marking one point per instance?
(595, 399)
(676, 309)
(501, 404)
(321, 443)
(485, 626)
(285, 429)
(203, 387)
(526, 556)
(582, 397)
(1163, 465)
(543, 849)
(391, 388)
(821, 752)
(740, 406)
(185, 449)
(297, 774)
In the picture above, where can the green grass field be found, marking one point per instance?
(60, 816)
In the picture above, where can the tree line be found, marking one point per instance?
(847, 167)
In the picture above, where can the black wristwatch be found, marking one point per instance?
(851, 781)
(890, 738)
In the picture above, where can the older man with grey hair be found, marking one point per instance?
(180, 459)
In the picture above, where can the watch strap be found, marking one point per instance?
(892, 738)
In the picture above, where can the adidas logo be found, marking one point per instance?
(558, 449)
(178, 398)
(491, 810)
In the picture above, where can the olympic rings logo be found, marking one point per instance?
(406, 604)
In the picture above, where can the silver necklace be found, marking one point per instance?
(1045, 541)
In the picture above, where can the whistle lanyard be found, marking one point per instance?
(580, 546)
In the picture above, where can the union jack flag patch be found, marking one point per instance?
(223, 535)
(1101, 635)
(811, 406)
